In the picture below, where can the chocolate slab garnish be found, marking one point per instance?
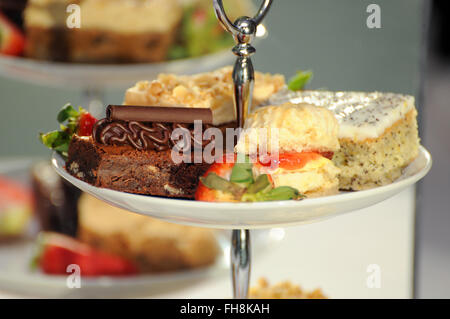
(158, 114)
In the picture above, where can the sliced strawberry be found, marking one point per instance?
(222, 169)
(59, 251)
(292, 160)
(12, 41)
(86, 124)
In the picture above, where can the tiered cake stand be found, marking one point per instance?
(241, 217)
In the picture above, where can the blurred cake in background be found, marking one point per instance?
(16, 205)
(110, 30)
(56, 200)
(13, 9)
(283, 290)
(124, 31)
(153, 245)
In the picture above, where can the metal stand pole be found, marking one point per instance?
(243, 31)
(240, 262)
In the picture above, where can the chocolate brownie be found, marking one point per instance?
(124, 168)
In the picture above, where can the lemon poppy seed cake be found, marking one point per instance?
(377, 132)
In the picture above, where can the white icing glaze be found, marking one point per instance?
(360, 115)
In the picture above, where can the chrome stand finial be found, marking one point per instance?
(243, 31)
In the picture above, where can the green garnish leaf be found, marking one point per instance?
(262, 184)
(67, 112)
(38, 251)
(59, 141)
(242, 171)
(299, 81)
(56, 140)
(214, 181)
(282, 193)
(177, 52)
(245, 188)
(241, 175)
(274, 194)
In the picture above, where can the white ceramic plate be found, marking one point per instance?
(252, 215)
(17, 277)
(105, 75)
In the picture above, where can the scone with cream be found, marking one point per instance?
(298, 147)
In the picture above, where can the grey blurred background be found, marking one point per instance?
(330, 38)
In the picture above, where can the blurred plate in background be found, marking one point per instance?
(105, 75)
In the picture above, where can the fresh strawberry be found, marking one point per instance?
(12, 41)
(233, 180)
(223, 170)
(71, 122)
(57, 251)
(292, 160)
(85, 124)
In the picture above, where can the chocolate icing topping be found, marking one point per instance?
(151, 127)
(143, 136)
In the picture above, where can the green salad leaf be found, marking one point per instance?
(200, 34)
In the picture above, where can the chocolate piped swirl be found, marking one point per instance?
(145, 136)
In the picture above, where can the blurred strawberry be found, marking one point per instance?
(56, 252)
(12, 41)
(16, 204)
